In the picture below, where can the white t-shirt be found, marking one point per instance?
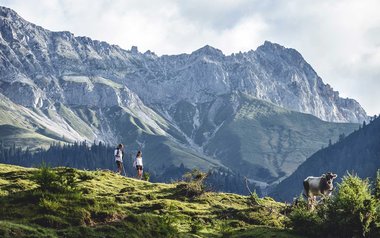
(138, 161)
(118, 155)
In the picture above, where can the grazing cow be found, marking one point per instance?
(318, 186)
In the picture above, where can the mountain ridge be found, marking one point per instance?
(68, 48)
(180, 105)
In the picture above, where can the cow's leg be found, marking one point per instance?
(310, 201)
(313, 202)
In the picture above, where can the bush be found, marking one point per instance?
(46, 179)
(306, 222)
(49, 205)
(377, 185)
(146, 176)
(194, 185)
(62, 180)
(352, 212)
(377, 198)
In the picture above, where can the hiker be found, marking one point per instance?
(119, 158)
(138, 164)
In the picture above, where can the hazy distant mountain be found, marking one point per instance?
(203, 109)
(358, 153)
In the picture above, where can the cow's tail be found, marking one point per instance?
(306, 188)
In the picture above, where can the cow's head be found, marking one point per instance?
(329, 177)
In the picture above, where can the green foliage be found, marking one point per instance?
(170, 216)
(49, 205)
(195, 175)
(350, 213)
(10, 229)
(225, 229)
(306, 222)
(49, 180)
(115, 206)
(46, 179)
(146, 176)
(196, 226)
(194, 184)
(50, 221)
(377, 185)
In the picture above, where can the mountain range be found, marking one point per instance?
(259, 113)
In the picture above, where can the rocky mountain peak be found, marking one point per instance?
(7, 12)
(269, 46)
(208, 51)
(272, 72)
(274, 51)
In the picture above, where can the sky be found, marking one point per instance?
(340, 39)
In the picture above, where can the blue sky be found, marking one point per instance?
(339, 38)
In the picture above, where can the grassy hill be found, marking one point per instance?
(65, 202)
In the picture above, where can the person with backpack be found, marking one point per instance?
(138, 164)
(119, 158)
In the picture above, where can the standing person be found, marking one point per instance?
(119, 158)
(138, 164)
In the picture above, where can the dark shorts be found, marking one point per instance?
(139, 167)
(119, 164)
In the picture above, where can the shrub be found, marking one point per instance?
(306, 222)
(46, 179)
(194, 185)
(62, 180)
(377, 199)
(146, 176)
(352, 212)
(377, 185)
(49, 205)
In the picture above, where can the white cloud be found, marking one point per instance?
(340, 38)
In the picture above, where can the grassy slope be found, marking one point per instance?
(14, 135)
(113, 206)
(267, 142)
(24, 127)
(158, 149)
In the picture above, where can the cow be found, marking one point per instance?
(318, 186)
